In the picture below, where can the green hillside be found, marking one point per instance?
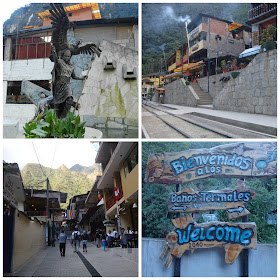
(163, 26)
(61, 179)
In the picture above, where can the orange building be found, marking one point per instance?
(78, 12)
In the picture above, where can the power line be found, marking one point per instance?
(38, 159)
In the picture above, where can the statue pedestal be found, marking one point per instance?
(93, 133)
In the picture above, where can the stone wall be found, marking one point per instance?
(109, 100)
(254, 90)
(179, 93)
(208, 262)
(29, 239)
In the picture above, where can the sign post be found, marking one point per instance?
(249, 159)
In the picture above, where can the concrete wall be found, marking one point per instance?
(208, 262)
(130, 182)
(18, 70)
(29, 239)
(124, 35)
(254, 90)
(179, 93)
(109, 100)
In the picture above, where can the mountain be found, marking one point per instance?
(61, 179)
(84, 169)
(27, 15)
(163, 27)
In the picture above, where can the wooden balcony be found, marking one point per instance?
(112, 200)
(262, 11)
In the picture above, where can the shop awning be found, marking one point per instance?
(190, 66)
(160, 89)
(233, 26)
(254, 50)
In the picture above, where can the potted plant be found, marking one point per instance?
(224, 66)
(234, 64)
(218, 70)
(187, 82)
(242, 65)
(229, 63)
(268, 36)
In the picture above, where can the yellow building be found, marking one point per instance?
(151, 81)
(119, 183)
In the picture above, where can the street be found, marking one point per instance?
(94, 263)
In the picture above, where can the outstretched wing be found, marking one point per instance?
(60, 23)
(87, 49)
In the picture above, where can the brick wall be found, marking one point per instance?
(218, 27)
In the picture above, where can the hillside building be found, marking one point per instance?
(151, 81)
(110, 94)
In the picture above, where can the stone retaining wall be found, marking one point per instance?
(178, 93)
(253, 91)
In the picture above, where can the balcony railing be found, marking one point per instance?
(36, 213)
(112, 200)
(261, 10)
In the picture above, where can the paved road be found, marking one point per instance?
(94, 263)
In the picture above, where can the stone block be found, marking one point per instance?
(258, 109)
(131, 122)
(112, 124)
(10, 128)
(91, 121)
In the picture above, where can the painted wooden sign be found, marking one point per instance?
(188, 235)
(232, 160)
(232, 200)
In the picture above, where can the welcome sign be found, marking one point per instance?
(188, 235)
(232, 200)
(236, 160)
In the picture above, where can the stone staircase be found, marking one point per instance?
(204, 98)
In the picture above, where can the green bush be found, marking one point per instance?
(52, 127)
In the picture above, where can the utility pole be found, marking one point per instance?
(48, 214)
(177, 266)
(182, 59)
(208, 53)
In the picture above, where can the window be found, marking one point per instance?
(14, 89)
(131, 161)
(31, 47)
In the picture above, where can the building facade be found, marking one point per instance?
(260, 17)
(119, 184)
(110, 96)
(210, 37)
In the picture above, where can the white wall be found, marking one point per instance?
(208, 262)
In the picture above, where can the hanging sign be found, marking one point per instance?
(178, 56)
(232, 160)
(188, 235)
(232, 200)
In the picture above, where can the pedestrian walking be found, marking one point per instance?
(62, 243)
(104, 240)
(84, 240)
(76, 238)
(97, 236)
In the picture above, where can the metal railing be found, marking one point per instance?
(261, 9)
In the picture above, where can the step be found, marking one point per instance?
(251, 126)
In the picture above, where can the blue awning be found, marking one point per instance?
(248, 52)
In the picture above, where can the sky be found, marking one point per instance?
(51, 153)
(11, 6)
